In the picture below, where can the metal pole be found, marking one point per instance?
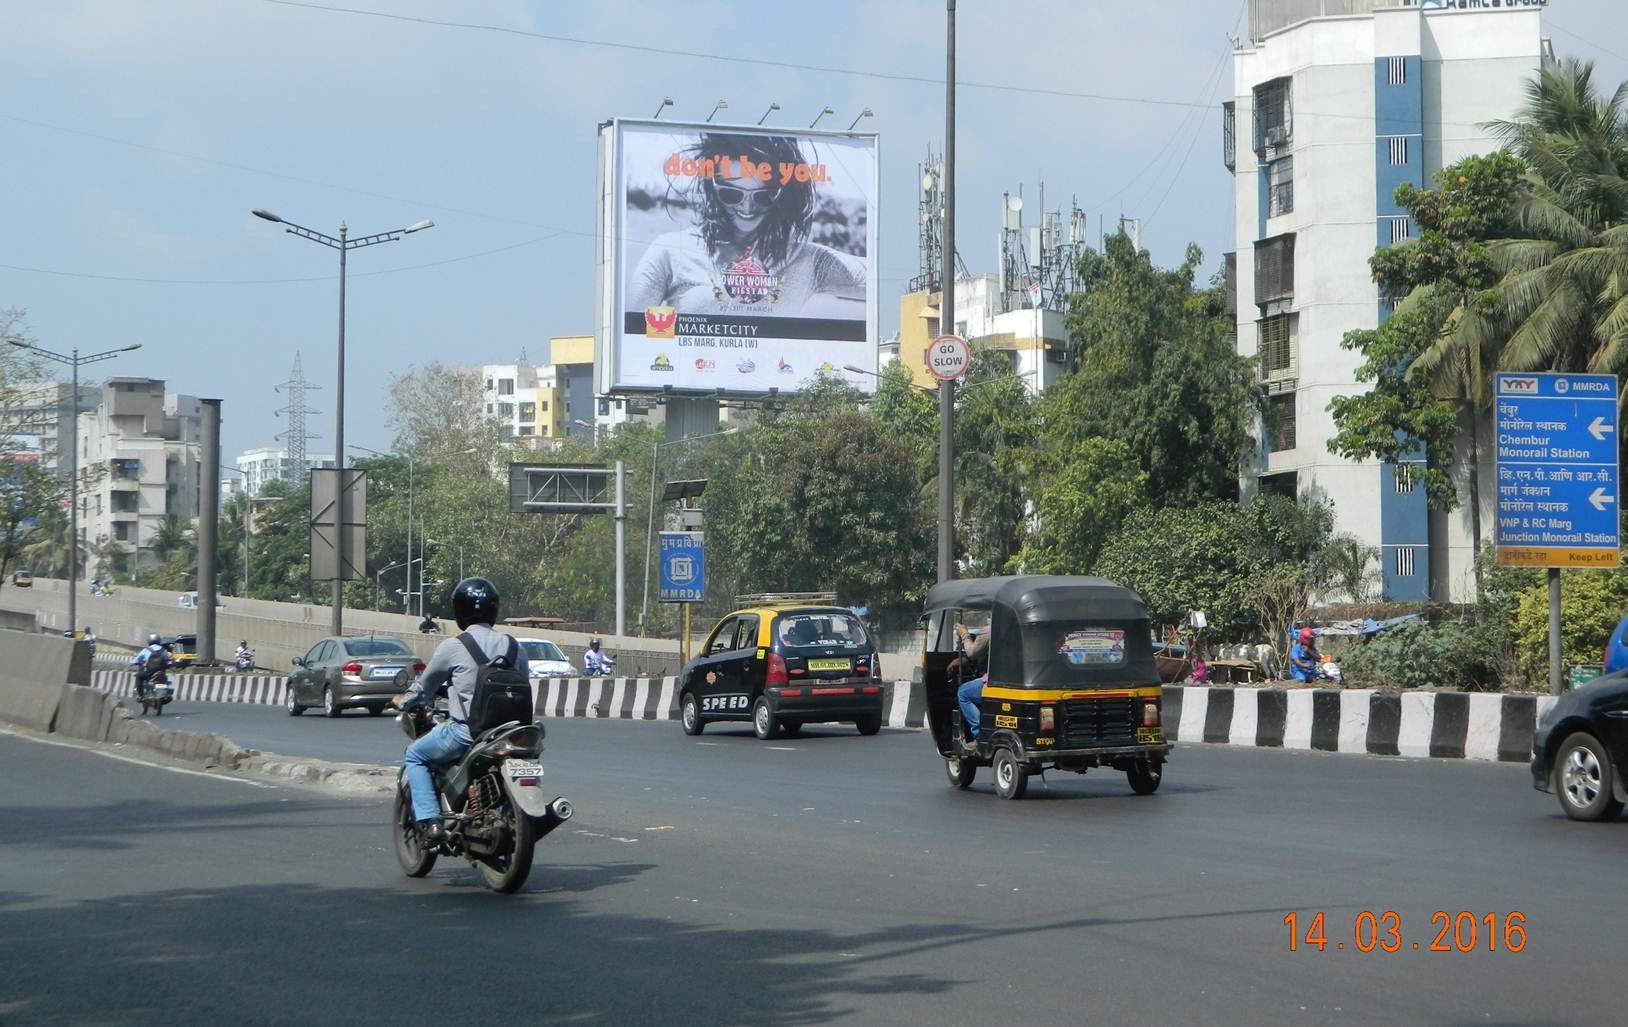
(73, 498)
(208, 524)
(1554, 630)
(408, 599)
(423, 563)
(339, 451)
(246, 526)
(621, 549)
(649, 538)
(946, 320)
(684, 650)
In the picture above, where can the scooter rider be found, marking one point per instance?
(596, 662)
(474, 607)
(149, 662)
(244, 657)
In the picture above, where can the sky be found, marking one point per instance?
(136, 136)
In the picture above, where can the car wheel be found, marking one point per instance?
(690, 713)
(764, 723)
(1144, 776)
(869, 725)
(1584, 779)
(959, 771)
(1011, 778)
(291, 704)
(329, 707)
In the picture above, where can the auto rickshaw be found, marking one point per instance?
(1071, 681)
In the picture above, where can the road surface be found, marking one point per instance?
(817, 879)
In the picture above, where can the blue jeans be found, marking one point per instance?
(969, 695)
(442, 745)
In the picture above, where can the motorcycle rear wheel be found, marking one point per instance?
(410, 851)
(507, 872)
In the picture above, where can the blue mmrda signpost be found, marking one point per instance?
(1556, 445)
(1558, 503)
(683, 574)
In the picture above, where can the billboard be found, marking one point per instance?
(736, 259)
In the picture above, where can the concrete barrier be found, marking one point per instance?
(33, 669)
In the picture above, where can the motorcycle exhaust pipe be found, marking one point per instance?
(559, 811)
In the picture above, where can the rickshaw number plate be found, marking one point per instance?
(1006, 722)
(829, 664)
(1149, 735)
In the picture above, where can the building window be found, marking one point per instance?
(121, 531)
(1286, 484)
(1229, 135)
(505, 411)
(528, 413)
(1274, 114)
(1280, 429)
(490, 408)
(527, 430)
(1399, 150)
(1274, 269)
(1404, 561)
(1396, 71)
(1400, 229)
(1277, 346)
(1280, 186)
(505, 386)
(543, 405)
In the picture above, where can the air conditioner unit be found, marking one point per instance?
(1277, 135)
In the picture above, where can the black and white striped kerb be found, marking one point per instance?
(1457, 725)
(259, 689)
(658, 699)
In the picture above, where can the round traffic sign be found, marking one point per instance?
(948, 357)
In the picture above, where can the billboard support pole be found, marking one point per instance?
(684, 650)
(946, 320)
(1554, 630)
(621, 549)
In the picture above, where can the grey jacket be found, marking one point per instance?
(452, 666)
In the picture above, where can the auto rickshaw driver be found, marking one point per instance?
(973, 659)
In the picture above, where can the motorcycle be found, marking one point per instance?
(244, 664)
(601, 669)
(159, 694)
(492, 805)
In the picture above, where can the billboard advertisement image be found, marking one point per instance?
(741, 259)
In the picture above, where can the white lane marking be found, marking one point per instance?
(139, 763)
(782, 748)
(713, 744)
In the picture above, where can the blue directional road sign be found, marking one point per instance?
(683, 576)
(1557, 470)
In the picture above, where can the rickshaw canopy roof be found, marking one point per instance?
(1040, 598)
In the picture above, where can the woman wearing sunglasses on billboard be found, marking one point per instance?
(749, 250)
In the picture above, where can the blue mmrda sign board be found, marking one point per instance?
(1556, 444)
(683, 575)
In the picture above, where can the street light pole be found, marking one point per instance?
(73, 360)
(946, 319)
(344, 244)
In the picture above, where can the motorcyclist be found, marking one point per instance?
(475, 608)
(149, 662)
(595, 661)
(244, 658)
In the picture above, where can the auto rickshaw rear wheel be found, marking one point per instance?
(1011, 777)
(1144, 776)
(959, 771)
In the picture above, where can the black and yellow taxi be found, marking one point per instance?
(1065, 680)
(781, 661)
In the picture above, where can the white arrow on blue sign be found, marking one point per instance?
(1556, 447)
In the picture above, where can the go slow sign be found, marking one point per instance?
(948, 357)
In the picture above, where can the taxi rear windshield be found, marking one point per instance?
(800, 630)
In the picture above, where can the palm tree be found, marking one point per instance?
(1562, 301)
(173, 535)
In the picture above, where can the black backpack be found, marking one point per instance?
(502, 693)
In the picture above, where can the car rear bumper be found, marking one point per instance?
(813, 702)
(366, 691)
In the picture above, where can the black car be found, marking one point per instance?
(781, 665)
(1581, 749)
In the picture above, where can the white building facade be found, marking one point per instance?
(266, 464)
(1337, 103)
(145, 448)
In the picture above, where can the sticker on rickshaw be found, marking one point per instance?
(1093, 648)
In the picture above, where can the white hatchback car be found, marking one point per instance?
(545, 660)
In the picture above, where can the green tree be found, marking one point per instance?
(1081, 497)
(1154, 366)
(994, 434)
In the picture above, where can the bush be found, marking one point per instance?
(1416, 654)
(1591, 604)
